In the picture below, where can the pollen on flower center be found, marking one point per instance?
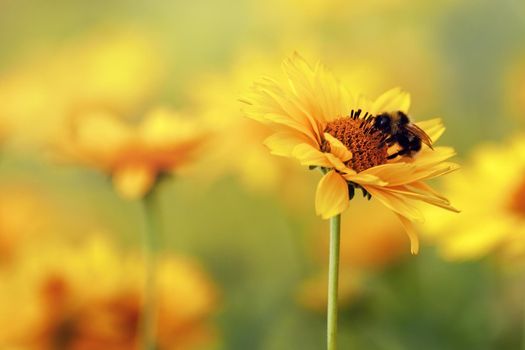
(358, 134)
(517, 201)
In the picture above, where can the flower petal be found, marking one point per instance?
(411, 232)
(337, 148)
(393, 100)
(309, 155)
(332, 195)
(395, 202)
(316, 89)
(424, 197)
(434, 128)
(364, 179)
(283, 143)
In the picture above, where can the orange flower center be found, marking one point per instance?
(517, 200)
(359, 135)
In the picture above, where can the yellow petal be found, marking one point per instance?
(393, 100)
(337, 148)
(270, 102)
(434, 128)
(411, 232)
(316, 89)
(427, 157)
(332, 195)
(133, 181)
(284, 120)
(424, 197)
(365, 179)
(291, 107)
(338, 164)
(309, 155)
(391, 172)
(283, 143)
(395, 202)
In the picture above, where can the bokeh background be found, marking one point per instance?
(242, 255)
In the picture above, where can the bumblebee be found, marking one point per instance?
(401, 131)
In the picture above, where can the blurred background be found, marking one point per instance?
(242, 256)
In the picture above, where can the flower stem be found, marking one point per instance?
(333, 282)
(523, 328)
(148, 322)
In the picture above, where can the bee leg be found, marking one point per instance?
(393, 155)
(390, 141)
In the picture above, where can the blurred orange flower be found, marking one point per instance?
(309, 112)
(491, 188)
(88, 296)
(134, 155)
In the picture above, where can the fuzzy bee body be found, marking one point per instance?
(402, 132)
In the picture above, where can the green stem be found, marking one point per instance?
(523, 329)
(148, 322)
(333, 282)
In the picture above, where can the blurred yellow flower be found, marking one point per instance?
(491, 188)
(134, 155)
(87, 296)
(237, 141)
(116, 70)
(309, 113)
(26, 213)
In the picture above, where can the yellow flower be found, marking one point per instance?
(87, 296)
(26, 213)
(491, 188)
(116, 70)
(134, 155)
(322, 125)
(215, 99)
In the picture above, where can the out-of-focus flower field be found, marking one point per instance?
(117, 114)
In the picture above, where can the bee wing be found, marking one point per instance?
(417, 131)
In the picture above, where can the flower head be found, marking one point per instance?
(492, 189)
(322, 125)
(134, 155)
(117, 70)
(49, 300)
